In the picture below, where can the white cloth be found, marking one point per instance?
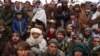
(95, 15)
(36, 30)
(39, 41)
(18, 10)
(95, 35)
(40, 15)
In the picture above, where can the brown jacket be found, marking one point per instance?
(82, 19)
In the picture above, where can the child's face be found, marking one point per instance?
(52, 30)
(19, 16)
(72, 17)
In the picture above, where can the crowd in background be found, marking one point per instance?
(55, 29)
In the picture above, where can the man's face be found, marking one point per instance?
(37, 5)
(22, 52)
(53, 48)
(77, 9)
(96, 41)
(78, 53)
(88, 7)
(60, 36)
(35, 35)
(27, 5)
(77, 40)
(97, 30)
(15, 39)
(17, 4)
(64, 3)
(69, 30)
(52, 5)
(7, 3)
(87, 33)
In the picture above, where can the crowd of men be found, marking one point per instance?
(55, 29)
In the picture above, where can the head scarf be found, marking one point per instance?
(31, 39)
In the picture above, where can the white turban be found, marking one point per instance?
(37, 30)
(31, 40)
(59, 5)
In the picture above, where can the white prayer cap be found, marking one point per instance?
(59, 5)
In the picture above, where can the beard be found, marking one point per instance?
(7, 7)
(52, 53)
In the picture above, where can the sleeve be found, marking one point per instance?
(40, 15)
(14, 26)
(25, 26)
(35, 17)
(94, 16)
(43, 45)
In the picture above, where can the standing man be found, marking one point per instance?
(6, 13)
(39, 13)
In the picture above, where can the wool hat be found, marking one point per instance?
(61, 30)
(59, 5)
(87, 29)
(53, 41)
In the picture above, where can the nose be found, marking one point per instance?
(53, 48)
(23, 52)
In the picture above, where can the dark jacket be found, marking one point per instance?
(17, 28)
(47, 53)
(9, 49)
(3, 41)
(6, 15)
(79, 47)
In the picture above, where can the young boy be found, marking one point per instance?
(23, 49)
(19, 24)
